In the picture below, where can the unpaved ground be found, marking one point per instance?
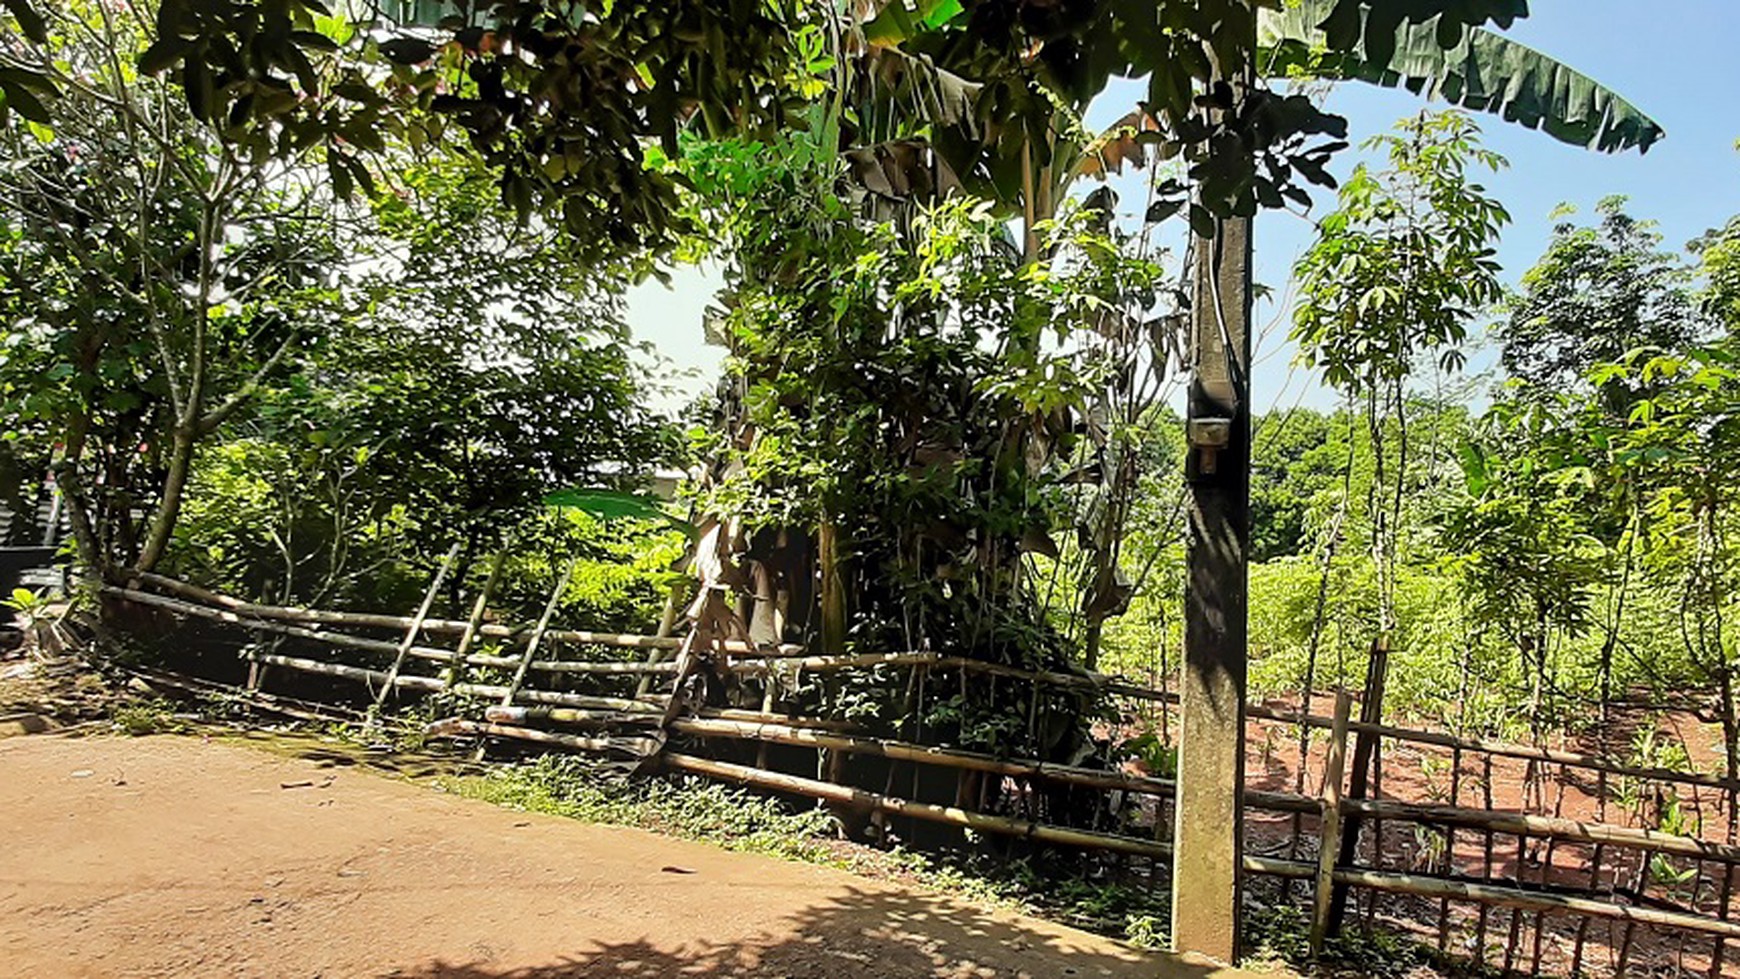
(177, 856)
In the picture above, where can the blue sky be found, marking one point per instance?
(1673, 58)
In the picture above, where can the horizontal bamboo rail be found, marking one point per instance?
(923, 754)
(1504, 749)
(828, 791)
(1563, 830)
(454, 727)
(1496, 896)
(435, 685)
(499, 714)
(373, 620)
(381, 645)
(948, 815)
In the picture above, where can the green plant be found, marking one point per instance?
(149, 717)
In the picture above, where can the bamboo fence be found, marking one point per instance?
(1466, 891)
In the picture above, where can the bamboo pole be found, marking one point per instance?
(455, 727)
(374, 620)
(947, 815)
(472, 624)
(380, 645)
(1492, 895)
(925, 755)
(538, 631)
(1329, 827)
(411, 633)
(822, 664)
(1546, 827)
(497, 714)
(667, 625)
(1366, 748)
(486, 691)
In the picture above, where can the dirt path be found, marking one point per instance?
(177, 856)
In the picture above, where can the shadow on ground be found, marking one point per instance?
(862, 935)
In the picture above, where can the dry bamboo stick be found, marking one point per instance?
(478, 608)
(380, 645)
(412, 631)
(479, 690)
(819, 664)
(497, 714)
(924, 754)
(1329, 827)
(949, 815)
(374, 620)
(1491, 895)
(455, 727)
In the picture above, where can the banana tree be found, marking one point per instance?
(1008, 126)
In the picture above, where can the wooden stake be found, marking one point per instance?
(1329, 831)
(1370, 713)
(538, 633)
(412, 632)
(478, 608)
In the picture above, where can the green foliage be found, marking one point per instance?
(482, 369)
(1406, 260)
(926, 399)
(567, 125)
(149, 282)
(690, 808)
(1598, 294)
(1467, 66)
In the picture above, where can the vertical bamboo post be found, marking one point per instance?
(1486, 860)
(1444, 911)
(392, 681)
(833, 587)
(1329, 828)
(1365, 746)
(456, 667)
(667, 626)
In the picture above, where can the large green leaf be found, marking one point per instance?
(613, 505)
(1482, 71)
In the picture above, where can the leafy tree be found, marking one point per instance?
(1683, 440)
(1398, 270)
(1598, 294)
(153, 280)
(486, 368)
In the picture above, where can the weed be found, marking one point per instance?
(147, 717)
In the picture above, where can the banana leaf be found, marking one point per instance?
(614, 505)
(1483, 71)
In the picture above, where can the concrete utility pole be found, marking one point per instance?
(1207, 858)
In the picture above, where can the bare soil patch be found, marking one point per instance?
(186, 856)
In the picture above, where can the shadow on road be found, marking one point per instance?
(863, 935)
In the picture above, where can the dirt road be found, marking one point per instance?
(174, 856)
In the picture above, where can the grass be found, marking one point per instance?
(1058, 885)
(695, 809)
